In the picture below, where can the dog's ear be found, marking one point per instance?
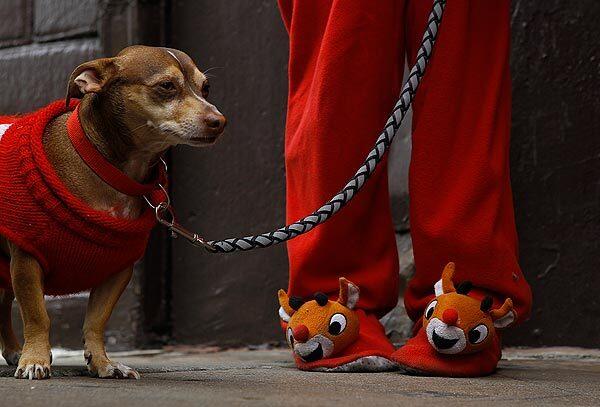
(90, 77)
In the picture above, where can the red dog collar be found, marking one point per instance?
(104, 168)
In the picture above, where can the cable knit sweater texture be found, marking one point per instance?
(78, 247)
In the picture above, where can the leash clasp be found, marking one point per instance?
(166, 216)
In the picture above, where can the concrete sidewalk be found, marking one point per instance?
(196, 377)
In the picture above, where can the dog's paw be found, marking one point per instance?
(116, 370)
(11, 356)
(33, 369)
(107, 369)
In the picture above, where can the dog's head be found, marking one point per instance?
(320, 328)
(456, 323)
(157, 94)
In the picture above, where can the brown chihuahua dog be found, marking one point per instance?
(133, 107)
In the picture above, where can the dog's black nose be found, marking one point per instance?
(215, 122)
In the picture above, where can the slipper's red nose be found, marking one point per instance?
(450, 316)
(300, 333)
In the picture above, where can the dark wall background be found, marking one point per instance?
(556, 167)
(237, 187)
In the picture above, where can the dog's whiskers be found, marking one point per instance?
(164, 143)
(210, 69)
(139, 127)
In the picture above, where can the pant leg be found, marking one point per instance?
(460, 196)
(345, 67)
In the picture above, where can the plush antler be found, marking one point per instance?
(284, 302)
(503, 310)
(349, 293)
(447, 274)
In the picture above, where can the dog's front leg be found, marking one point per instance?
(27, 281)
(101, 303)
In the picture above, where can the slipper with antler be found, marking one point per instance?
(459, 335)
(333, 336)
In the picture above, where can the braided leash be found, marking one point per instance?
(164, 212)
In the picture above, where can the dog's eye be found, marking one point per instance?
(290, 337)
(478, 334)
(430, 309)
(337, 324)
(167, 85)
(205, 89)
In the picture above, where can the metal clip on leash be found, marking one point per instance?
(165, 215)
(164, 212)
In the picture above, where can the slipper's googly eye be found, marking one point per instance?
(337, 324)
(430, 309)
(478, 334)
(290, 337)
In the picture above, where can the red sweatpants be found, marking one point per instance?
(345, 71)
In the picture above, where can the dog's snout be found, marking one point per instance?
(215, 122)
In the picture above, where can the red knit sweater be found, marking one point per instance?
(78, 247)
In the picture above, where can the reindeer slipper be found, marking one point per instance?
(458, 336)
(331, 336)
